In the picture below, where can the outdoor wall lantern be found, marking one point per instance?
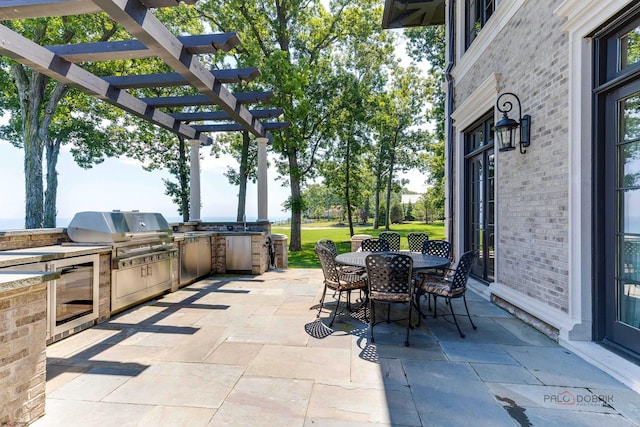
(507, 128)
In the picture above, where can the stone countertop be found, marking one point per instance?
(13, 257)
(178, 237)
(241, 233)
(11, 280)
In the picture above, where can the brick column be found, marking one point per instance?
(22, 354)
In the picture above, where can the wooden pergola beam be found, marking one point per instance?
(133, 49)
(150, 38)
(197, 100)
(22, 9)
(235, 127)
(165, 3)
(144, 26)
(46, 62)
(175, 79)
(221, 115)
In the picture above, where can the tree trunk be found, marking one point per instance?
(183, 179)
(51, 193)
(31, 95)
(296, 202)
(243, 175)
(387, 212)
(392, 160)
(376, 208)
(34, 215)
(347, 182)
(53, 151)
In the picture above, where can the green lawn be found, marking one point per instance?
(313, 232)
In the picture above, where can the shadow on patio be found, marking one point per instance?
(250, 351)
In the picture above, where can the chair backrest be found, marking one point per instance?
(461, 275)
(374, 245)
(416, 240)
(437, 247)
(329, 244)
(328, 263)
(390, 273)
(392, 238)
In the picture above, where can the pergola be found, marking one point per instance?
(151, 39)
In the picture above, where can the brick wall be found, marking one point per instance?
(219, 253)
(531, 53)
(104, 293)
(22, 239)
(281, 249)
(22, 354)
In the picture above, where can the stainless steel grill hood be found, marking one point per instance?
(116, 226)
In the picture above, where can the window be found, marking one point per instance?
(477, 14)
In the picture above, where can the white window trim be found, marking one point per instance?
(584, 17)
(470, 111)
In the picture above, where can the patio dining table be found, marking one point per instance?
(420, 261)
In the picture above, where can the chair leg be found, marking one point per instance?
(372, 319)
(454, 318)
(464, 298)
(435, 306)
(416, 301)
(406, 342)
(337, 308)
(324, 293)
(388, 313)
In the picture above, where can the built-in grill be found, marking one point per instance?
(142, 249)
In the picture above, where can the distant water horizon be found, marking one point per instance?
(7, 224)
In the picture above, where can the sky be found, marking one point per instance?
(123, 184)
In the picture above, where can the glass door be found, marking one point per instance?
(617, 183)
(74, 296)
(622, 207)
(479, 198)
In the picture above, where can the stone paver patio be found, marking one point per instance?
(248, 350)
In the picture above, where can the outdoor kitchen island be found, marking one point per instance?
(234, 248)
(40, 267)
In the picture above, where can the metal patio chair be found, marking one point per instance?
(449, 287)
(392, 238)
(331, 245)
(390, 279)
(416, 240)
(337, 280)
(374, 245)
(440, 248)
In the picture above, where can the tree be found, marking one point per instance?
(239, 146)
(45, 114)
(156, 149)
(429, 44)
(400, 139)
(294, 43)
(345, 167)
(409, 212)
(396, 214)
